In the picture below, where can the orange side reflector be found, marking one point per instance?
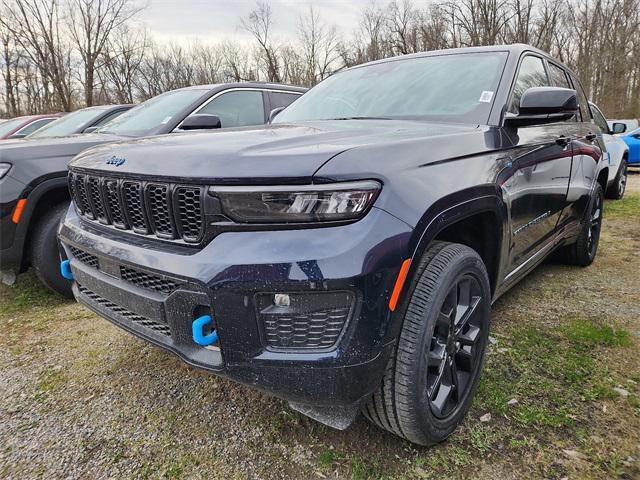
(17, 213)
(402, 276)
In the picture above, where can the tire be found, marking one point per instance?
(410, 402)
(619, 185)
(45, 256)
(583, 252)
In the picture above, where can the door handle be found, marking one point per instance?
(590, 136)
(563, 141)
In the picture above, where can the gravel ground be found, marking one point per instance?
(558, 399)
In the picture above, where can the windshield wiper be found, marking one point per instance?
(361, 118)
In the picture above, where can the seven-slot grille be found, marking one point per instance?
(165, 210)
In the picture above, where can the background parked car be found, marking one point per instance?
(20, 127)
(617, 153)
(33, 174)
(632, 139)
(80, 121)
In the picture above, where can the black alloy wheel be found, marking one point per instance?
(453, 357)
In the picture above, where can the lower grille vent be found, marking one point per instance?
(85, 257)
(148, 281)
(126, 314)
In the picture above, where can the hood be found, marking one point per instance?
(282, 152)
(34, 158)
(14, 150)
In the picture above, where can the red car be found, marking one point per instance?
(20, 127)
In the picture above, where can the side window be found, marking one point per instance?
(585, 113)
(281, 99)
(107, 118)
(558, 77)
(33, 126)
(531, 74)
(237, 109)
(599, 119)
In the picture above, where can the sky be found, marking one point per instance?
(216, 20)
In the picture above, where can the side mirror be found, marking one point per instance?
(90, 129)
(274, 113)
(541, 105)
(618, 127)
(201, 121)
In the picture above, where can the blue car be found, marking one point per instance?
(633, 140)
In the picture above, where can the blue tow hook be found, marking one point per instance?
(197, 327)
(65, 269)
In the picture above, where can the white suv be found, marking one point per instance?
(617, 153)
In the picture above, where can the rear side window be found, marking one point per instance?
(558, 77)
(107, 118)
(237, 109)
(599, 119)
(585, 112)
(531, 74)
(281, 99)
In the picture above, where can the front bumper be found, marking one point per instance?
(227, 277)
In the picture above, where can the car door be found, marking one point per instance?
(541, 164)
(587, 154)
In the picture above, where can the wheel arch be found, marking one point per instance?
(476, 218)
(603, 178)
(40, 200)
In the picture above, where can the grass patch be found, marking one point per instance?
(589, 333)
(27, 294)
(51, 379)
(628, 207)
(551, 372)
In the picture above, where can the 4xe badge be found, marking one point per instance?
(117, 161)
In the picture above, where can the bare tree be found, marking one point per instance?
(121, 62)
(259, 24)
(36, 26)
(319, 44)
(92, 23)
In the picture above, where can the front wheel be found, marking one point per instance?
(432, 377)
(45, 256)
(619, 185)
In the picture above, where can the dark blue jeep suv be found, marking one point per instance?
(346, 256)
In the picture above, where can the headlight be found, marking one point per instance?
(298, 204)
(4, 169)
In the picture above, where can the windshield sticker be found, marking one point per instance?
(165, 120)
(486, 97)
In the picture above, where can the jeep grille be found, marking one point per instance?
(163, 210)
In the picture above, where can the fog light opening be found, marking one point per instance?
(281, 300)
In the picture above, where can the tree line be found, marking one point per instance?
(66, 54)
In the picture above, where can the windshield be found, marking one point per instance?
(67, 125)
(158, 111)
(9, 125)
(456, 87)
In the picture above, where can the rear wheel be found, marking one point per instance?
(432, 377)
(583, 251)
(45, 256)
(619, 185)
